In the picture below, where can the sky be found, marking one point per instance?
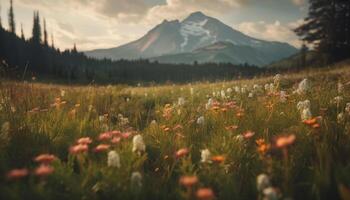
(93, 24)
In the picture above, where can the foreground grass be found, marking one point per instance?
(248, 130)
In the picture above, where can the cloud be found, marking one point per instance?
(272, 31)
(298, 2)
(175, 9)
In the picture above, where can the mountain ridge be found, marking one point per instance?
(194, 32)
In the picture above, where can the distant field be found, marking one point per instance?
(277, 137)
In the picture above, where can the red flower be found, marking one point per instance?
(17, 173)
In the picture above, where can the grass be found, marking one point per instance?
(246, 137)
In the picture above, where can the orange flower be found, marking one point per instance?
(84, 140)
(102, 147)
(45, 158)
(284, 141)
(205, 194)
(44, 170)
(79, 148)
(311, 121)
(188, 181)
(17, 174)
(182, 152)
(218, 159)
(240, 114)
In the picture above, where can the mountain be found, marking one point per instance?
(190, 35)
(220, 52)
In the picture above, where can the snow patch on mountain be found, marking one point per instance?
(196, 29)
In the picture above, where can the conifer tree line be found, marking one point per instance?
(327, 27)
(34, 56)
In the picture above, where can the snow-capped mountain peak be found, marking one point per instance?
(196, 31)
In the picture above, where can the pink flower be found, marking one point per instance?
(102, 147)
(248, 134)
(44, 170)
(79, 148)
(105, 136)
(45, 158)
(115, 140)
(17, 174)
(182, 152)
(84, 140)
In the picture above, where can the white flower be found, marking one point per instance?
(136, 180)
(223, 94)
(338, 99)
(272, 88)
(270, 193)
(267, 87)
(63, 93)
(229, 90)
(250, 95)
(237, 89)
(340, 118)
(137, 144)
(209, 104)
(304, 86)
(243, 90)
(283, 96)
(340, 88)
(205, 156)
(303, 105)
(306, 114)
(200, 120)
(262, 182)
(347, 108)
(181, 101)
(113, 159)
(277, 79)
(191, 91)
(154, 123)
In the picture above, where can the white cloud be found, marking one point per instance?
(299, 2)
(272, 31)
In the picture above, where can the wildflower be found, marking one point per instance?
(105, 136)
(263, 147)
(337, 100)
(223, 94)
(205, 194)
(182, 152)
(284, 141)
(277, 79)
(283, 96)
(231, 128)
(303, 105)
(136, 180)
(102, 147)
(191, 91)
(270, 193)
(239, 138)
(250, 95)
(188, 181)
(84, 140)
(304, 86)
(248, 134)
(17, 174)
(181, 101)
(218, 159)
(45, 158)
(79, 148)
(347, 108)
(229, 90)
(306, 114)
(63, 92)
(113, 159)
(44, 170)
(205, 156)
(262, 182)
(237, 89)
(340, 88)
(200, 120)
(115, 140)
(138, 144)
(340, 118)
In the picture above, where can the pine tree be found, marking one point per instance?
(12, 24)
(45, 34)
(52, 41)
(36, 37)
(303, 55)
(22, 33)
(327, 28)
(0, 19)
